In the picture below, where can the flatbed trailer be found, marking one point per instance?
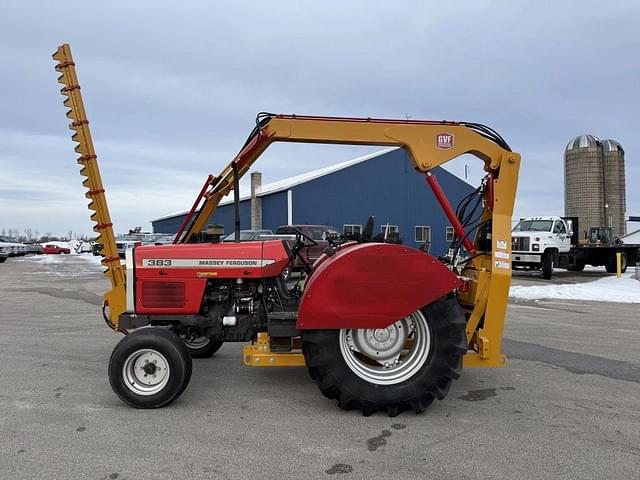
(545, 243)
(599, 255)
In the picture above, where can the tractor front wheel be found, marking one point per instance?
(149, 368)
(404, 366)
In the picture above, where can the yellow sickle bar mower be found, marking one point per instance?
(379, 326)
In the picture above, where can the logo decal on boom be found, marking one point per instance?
(444, 141)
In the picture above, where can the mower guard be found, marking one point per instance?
(372, 285)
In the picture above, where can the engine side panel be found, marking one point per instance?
(372, 285)
(170, 279)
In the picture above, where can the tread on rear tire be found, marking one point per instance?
(337, 380)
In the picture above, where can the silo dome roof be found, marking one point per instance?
(611, 146)
(583, 141)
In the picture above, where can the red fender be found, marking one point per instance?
(372, 285)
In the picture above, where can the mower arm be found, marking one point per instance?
(430, 144)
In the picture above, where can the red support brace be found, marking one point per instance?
(450, 213)
(187, 219)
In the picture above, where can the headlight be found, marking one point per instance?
(535, 247)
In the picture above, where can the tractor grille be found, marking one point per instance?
(163, 294)
(520, 244)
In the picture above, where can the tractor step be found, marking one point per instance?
(283, 324)
(259, 354)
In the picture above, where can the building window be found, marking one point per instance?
(352, 230)
(389, 230)
(449, 234)
(423, 234)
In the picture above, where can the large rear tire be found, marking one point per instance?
(405, 366)
(149, 368)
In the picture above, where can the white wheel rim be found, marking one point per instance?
(146, 372)
(384, 356)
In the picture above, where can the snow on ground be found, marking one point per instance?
(61, 258)
(608, 289)
(71, 265)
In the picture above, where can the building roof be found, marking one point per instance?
(287, 183)
(633, 237)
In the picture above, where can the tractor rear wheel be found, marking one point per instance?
(404, 366)
(199, 346)
(149, 368)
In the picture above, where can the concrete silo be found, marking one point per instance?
(595, 184)
(583, 183)
(614, 186)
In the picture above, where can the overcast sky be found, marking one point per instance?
(172, 89)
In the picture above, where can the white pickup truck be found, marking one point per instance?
(542, 243)
(12, 246)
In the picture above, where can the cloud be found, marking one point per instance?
(172, 91)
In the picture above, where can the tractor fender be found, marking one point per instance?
(372, 285)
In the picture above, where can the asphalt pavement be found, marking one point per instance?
(566, 407)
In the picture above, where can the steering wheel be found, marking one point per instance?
(300, 244)
(301, 235)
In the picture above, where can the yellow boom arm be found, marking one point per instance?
(116, 297)
(429, 144)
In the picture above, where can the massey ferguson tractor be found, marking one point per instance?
(379, 326)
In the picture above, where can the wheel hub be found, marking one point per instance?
(381, 334)
(387, 355)
(146, 372)
(382, 344)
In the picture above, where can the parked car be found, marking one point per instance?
(165, 240)
(34, 248)
(124, 245)
(4, 253)
(55, 249)
(95, 249)
(310, 253)
(15, 248)
(247, 235)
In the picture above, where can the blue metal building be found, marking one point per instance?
(383, 184)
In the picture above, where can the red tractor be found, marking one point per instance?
(379, 326)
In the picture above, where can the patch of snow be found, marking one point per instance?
(44, 259)
(609, 289)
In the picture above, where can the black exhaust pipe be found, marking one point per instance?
(236, 200)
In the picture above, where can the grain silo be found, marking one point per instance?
(583, 183)
(614, 186)
(594, 184)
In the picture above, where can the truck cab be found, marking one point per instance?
(537, 242)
